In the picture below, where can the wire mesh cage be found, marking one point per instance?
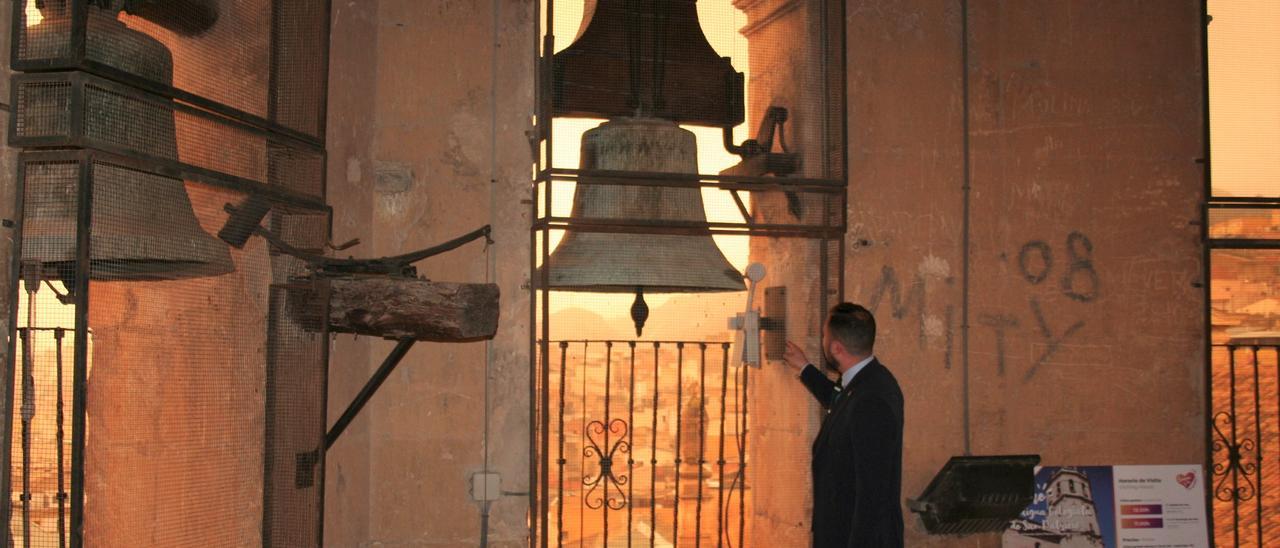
(164, 389)
(263, 60)
(678, 143)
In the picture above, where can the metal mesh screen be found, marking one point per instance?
(295, 391)
(264, 58)
(298, 30)
(202, 418)
(44, 110)
(121, 119)
(41, 377)
(191, 409)
(51, 41)
(173, 448)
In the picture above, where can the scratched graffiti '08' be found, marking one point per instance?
(1080, 281)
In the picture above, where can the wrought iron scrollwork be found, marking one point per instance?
(605, 487)
(1235, 468)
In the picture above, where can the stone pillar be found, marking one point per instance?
(8, 189)
(411, 166)
(352, 68)
(784, 39)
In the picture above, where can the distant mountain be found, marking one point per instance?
(682, 317)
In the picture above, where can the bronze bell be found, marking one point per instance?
(143, 225)
(639, 263)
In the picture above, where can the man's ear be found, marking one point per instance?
(838, 350)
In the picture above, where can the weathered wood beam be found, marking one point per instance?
(396, 308)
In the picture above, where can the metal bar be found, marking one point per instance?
(724, 410)
(136, 86)
(388, 365)
(686, 228)
(533, 376)
(240, 118)
(680, 180)
(323, 105)
(10, 365)
(631, 437)
(702, 440)
(966, 188)
(58, 335)
(28, 413)
(1233, 454)
(624, 341)
(742, 208)
(742, 461)
(582, 417)
(675, 529)
(1264, 204)
(269, 414)
(1244, 243)
(608, 381)
(544, 504)
(564, 353)
(178, 170)
(322, 406)
(80, 375)
(653, 453)
(273, 62)
(17, 29)
(1257, 428)
(1227, 201)
(1206, 256)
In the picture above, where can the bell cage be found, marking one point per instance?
(157, 392)
(689, 210)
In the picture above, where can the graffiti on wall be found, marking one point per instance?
(1067, 267)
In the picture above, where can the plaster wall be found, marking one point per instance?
(1083, 333)
(421, 152)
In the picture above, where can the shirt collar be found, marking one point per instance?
(847, 376)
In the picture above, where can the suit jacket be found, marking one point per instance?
(857, 460)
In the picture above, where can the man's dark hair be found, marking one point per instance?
(853, 326)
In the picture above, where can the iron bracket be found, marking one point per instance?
(758, 158)
(244, 222)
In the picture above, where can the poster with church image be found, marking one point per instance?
(1113, 507)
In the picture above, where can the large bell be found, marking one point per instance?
(639, 263)
(143, 225)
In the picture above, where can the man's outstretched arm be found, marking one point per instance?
(822, 388)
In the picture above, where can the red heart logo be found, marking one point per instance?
(1187, 480)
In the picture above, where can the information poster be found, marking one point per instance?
(1114, 507)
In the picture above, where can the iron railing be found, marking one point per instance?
(1245, 441)
(620, 407)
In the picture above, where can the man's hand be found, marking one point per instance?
(794, 357)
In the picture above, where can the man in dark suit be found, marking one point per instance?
(857, 456)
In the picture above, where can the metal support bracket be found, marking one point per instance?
(759, 159)
(304, 475)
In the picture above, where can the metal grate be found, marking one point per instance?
(261, 59)
(44, 110)
(181, 421)
(75, 109)
(296, 388)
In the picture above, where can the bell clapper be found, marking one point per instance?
(639, 311)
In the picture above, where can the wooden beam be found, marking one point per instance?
(396, 308)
